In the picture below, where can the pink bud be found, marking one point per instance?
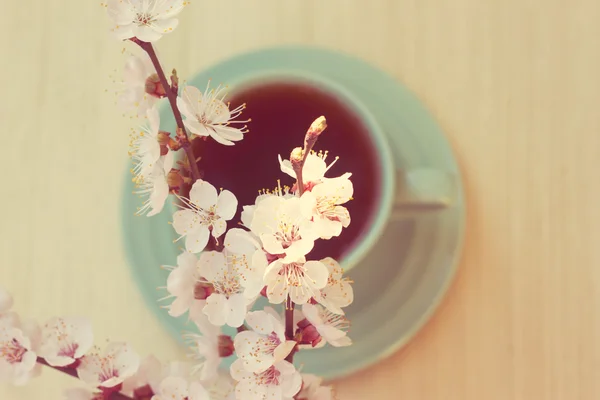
(226, 348)
(203, 290)
(307, 333)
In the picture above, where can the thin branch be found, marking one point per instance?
(172, 96)
(73, 372)
(289, 330)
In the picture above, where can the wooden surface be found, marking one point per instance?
(515, 84)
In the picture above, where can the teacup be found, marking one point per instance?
(282, 104)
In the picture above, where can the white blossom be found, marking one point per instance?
(146, 381)
(312, 389)
(144, 146)
(206, 114)
(65, 340)
(154, 186)
(227, 304)
(323, 203)
(19, 343)
(280, 381)
(206, 349)
(338, 292)
(147, 20)
(177, 388)
(296, 281)
(265, 344)
(332, 327)
(140, 87)
(246, 255)
(283, 228)
(313, 171)
(207, 213)
(247, 214)
(185, 285)
(109, 369)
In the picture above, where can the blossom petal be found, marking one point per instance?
(185, 221)
(240, 241)
(146, 33)
(237, 370)
(286, 167)
(218, 138)
(185, 108)
(317, 273)
(272, 245)
(196, 127)
(278, 291)
(124, 32)
(219, 227)
(229, 132)
(212, 265)
(196, 242)
(123, 356)
(226, 205)
(314, 168)
(291, 386)
(327, 228)
(339, 190)
(159, 196)
(163, 26)
(180, 305)
(298, 249)
(216, 309)
(260, 322)
(311, 312)
(121, 12)
(153, 121)
(171, 8)
(134, 71)
(203, 195)
(175, 388)
(181, 279)
(237, 310)
(197, 392)
(282, 351)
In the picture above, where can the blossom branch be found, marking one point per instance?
(73, 372)
(172, 96)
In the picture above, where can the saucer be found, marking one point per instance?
(401, 282)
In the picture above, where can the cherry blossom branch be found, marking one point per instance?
(172, 96)
(73, 372)
(297, 159)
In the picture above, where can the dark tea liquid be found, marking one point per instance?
(281, 112)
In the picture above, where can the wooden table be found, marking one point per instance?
(515, 84)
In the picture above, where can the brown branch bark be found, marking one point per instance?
(172, 96)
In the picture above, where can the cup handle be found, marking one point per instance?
(423, 190)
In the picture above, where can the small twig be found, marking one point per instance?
(172, 96)
(289, 330)
(73, 372)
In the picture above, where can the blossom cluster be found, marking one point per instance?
(224, 266)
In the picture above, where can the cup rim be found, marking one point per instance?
(386, 166)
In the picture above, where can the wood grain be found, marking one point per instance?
(515, 84)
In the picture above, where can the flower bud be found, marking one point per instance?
(163, 138)
(226, 348)
(175, 180)
(203, 290)
(307, 334)
(296, 158)
(317, 127)
(313, 133)
(154, 88)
